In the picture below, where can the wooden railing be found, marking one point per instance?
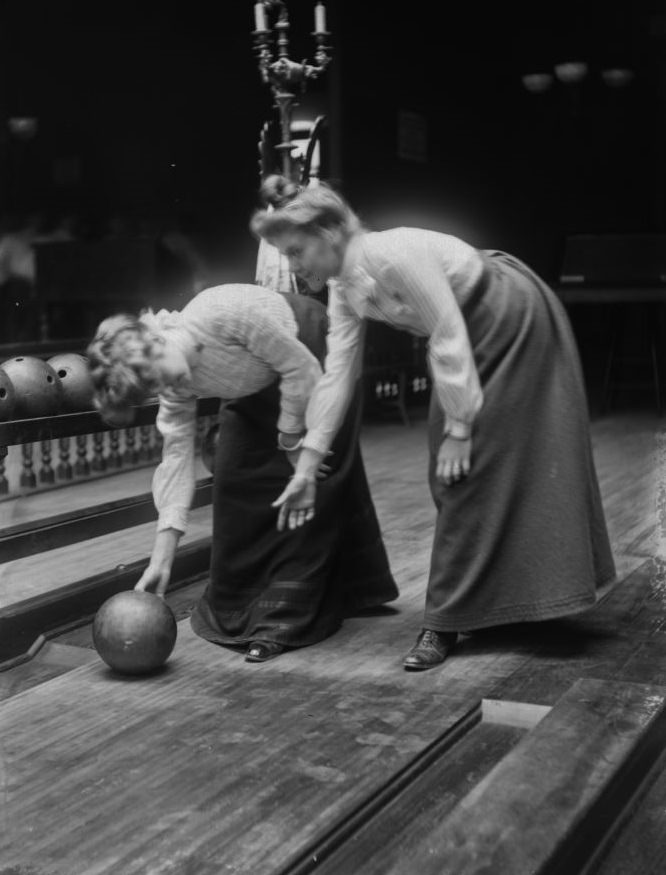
(59, 450)
(98, 451)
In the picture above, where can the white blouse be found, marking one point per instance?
(414, 280)
(237, 340)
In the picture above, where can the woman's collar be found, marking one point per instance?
(160, 321)
(173, 322)
(352, 256)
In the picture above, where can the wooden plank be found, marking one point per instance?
(26, 539)
(32, 507)
(200, 768)
(639, 847)
(391, 824)
(45, 575)
(550, 804)
(32, 673)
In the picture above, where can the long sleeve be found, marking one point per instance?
(342, 368)
(417, 275)
(298, 369)
(174, 477)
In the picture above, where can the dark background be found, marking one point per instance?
(150, 110)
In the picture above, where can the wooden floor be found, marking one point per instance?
(218, 766)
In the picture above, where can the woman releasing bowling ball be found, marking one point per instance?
(520, 532)
(259, 351)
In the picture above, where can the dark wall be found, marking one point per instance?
(505, 168)
(145, 111)
(149, 110)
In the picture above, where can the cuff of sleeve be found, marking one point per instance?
(290, 423)
(173, 518)
(457, 428)
(318, 441)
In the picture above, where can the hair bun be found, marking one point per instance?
(277, 190)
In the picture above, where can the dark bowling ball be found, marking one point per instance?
(134, 632)
(7, 397)
(209, 447)
(77, 384)
(36, 387)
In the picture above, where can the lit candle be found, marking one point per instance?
(259, 16)
(320, 18)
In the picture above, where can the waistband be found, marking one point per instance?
(482, 284)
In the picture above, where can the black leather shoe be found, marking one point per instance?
(431, 649)
(260, 651)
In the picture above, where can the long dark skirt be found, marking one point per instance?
(291, 587)
(524, 537)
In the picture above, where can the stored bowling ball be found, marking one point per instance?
(134, 632)
(7, 397)
(36, 387)
(209, 447)
(77, 384)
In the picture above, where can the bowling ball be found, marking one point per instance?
(209, 447)
(77, 384)
(134, 632)
(7, 397)
(36, 386)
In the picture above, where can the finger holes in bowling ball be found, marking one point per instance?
(36, 388)
(7, 397)
(73, 372)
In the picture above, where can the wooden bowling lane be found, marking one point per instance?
(217, 766)
(516, 789)
(212, 766)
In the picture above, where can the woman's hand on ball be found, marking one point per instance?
(158, 573)
(154, 577)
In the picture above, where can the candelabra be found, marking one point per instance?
(282, 74)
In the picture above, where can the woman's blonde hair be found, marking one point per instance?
(310, 210)
(121, 367)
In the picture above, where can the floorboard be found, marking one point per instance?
(219, 766)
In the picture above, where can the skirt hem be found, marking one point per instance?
(201, 628)
(507, 616)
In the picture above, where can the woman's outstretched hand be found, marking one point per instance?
(454, 460)
(296, 502)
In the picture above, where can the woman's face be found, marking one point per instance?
(314, 258)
